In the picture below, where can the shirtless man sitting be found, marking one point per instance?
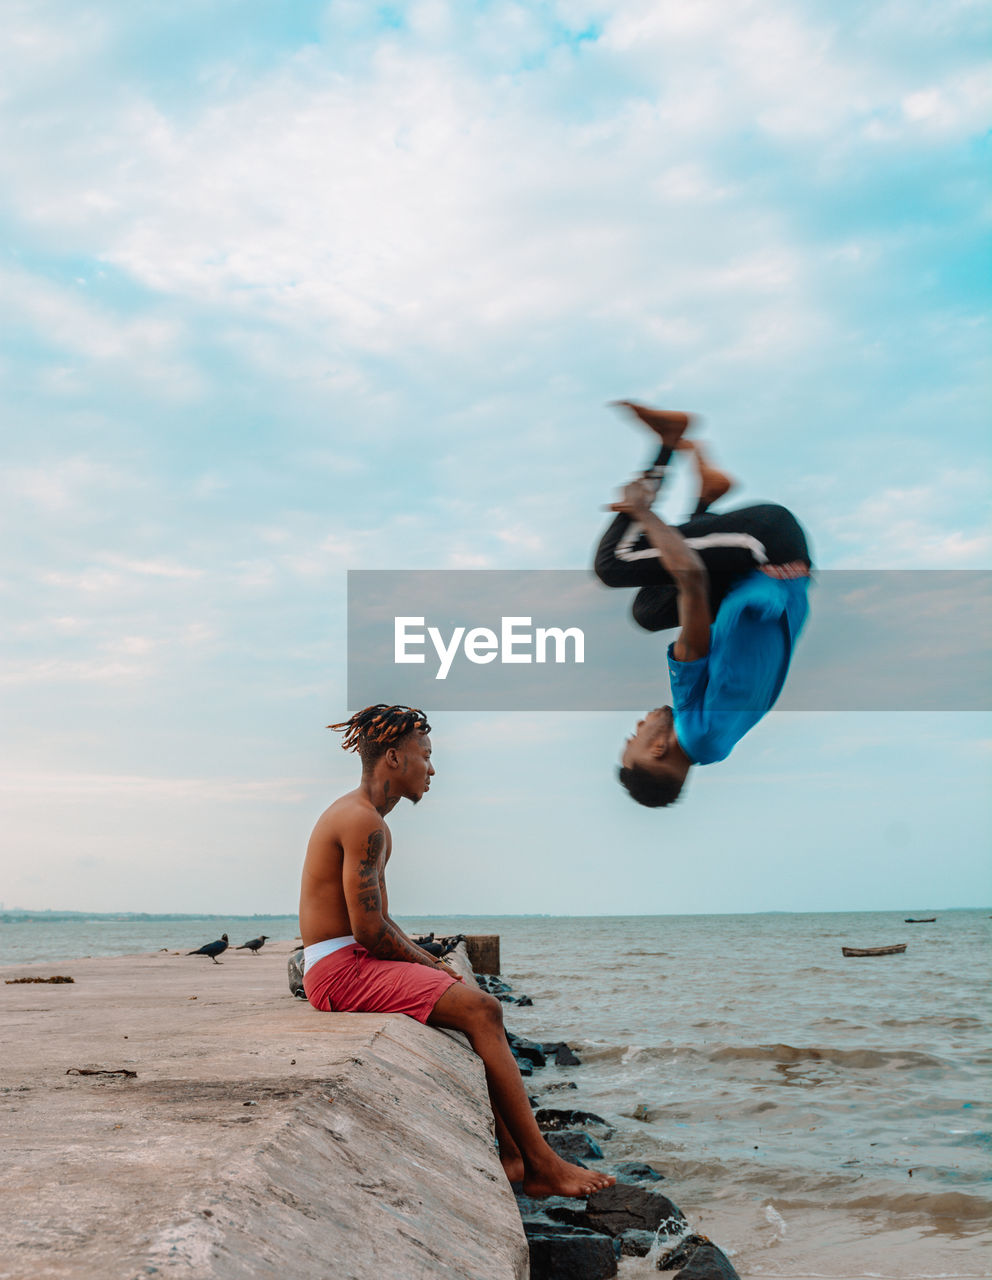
(357, 959)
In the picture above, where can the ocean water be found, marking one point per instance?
(816, 1116)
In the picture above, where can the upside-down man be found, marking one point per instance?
(357, 959)
(736, 585)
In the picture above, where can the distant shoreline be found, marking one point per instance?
(18, 915)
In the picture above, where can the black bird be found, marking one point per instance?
(255, 945)
(212, 949)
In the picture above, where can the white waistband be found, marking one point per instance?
(318, 950)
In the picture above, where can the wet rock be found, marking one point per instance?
(697, 1258)
(637, 1171)
(629, 1207)
(636, 1244)
(524, 1000)
(526, 1068)
(491, 983)
(564, 1057)
(560, 1252)
(677, 1257)
(550, 1118)
(521, 1048)
(559, 1085)
(644, 1113)
(574, 1145)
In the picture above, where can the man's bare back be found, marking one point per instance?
(323, 906)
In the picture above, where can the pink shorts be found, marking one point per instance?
(352, 981)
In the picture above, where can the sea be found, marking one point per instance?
(815, 1115)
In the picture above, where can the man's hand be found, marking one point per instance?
(635, 499)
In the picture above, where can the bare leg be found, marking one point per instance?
(509, 1153)
(480, 1016)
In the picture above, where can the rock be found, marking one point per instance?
(521, 1048)
(568, 1253)
(560, 1084)
(564, 1057)
(707, 1263)
(574, 1145)
(541, 1210)
(636, 1244)
(628, 1207)
(550, 1118)
(637, 1171)
(294, 970)
(526, 1068)
(524, 1000)
(491, 983)
(678, 1256)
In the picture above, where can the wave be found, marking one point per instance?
(962, 1023)
(902, 1059)
(945, 1210)
(863, 1059)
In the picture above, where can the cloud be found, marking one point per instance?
(98, 787)
(916, 527)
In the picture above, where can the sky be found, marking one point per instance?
(289, 290)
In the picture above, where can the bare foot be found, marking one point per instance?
(713, 483)
(557, 1177)
(513, 1167)
(668, 424)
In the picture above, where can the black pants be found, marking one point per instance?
(731, 545)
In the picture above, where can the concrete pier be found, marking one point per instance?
(258, 1138)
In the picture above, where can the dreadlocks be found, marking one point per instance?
(372, 731)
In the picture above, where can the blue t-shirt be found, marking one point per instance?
(717, 699)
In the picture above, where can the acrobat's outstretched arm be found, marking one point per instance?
(682, 562)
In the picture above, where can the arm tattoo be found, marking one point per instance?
(391, 945)
(368, 868)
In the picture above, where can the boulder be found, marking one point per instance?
(629, 1207)
(698, 1258)
(521, 1048)
(636, 1244)
(574, 1145)
(677, 1257)
(568, 1253)
(552, 1118)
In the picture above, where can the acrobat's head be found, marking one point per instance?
(653, 766)
(394, 741)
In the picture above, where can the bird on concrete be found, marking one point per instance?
(211, 949)
(255, 945)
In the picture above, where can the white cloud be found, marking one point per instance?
(917, 527)
(100, 787)
(147, 346)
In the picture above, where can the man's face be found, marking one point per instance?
(647, 745)
(417, 767)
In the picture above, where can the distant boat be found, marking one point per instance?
(895, 950)
(920, 919)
